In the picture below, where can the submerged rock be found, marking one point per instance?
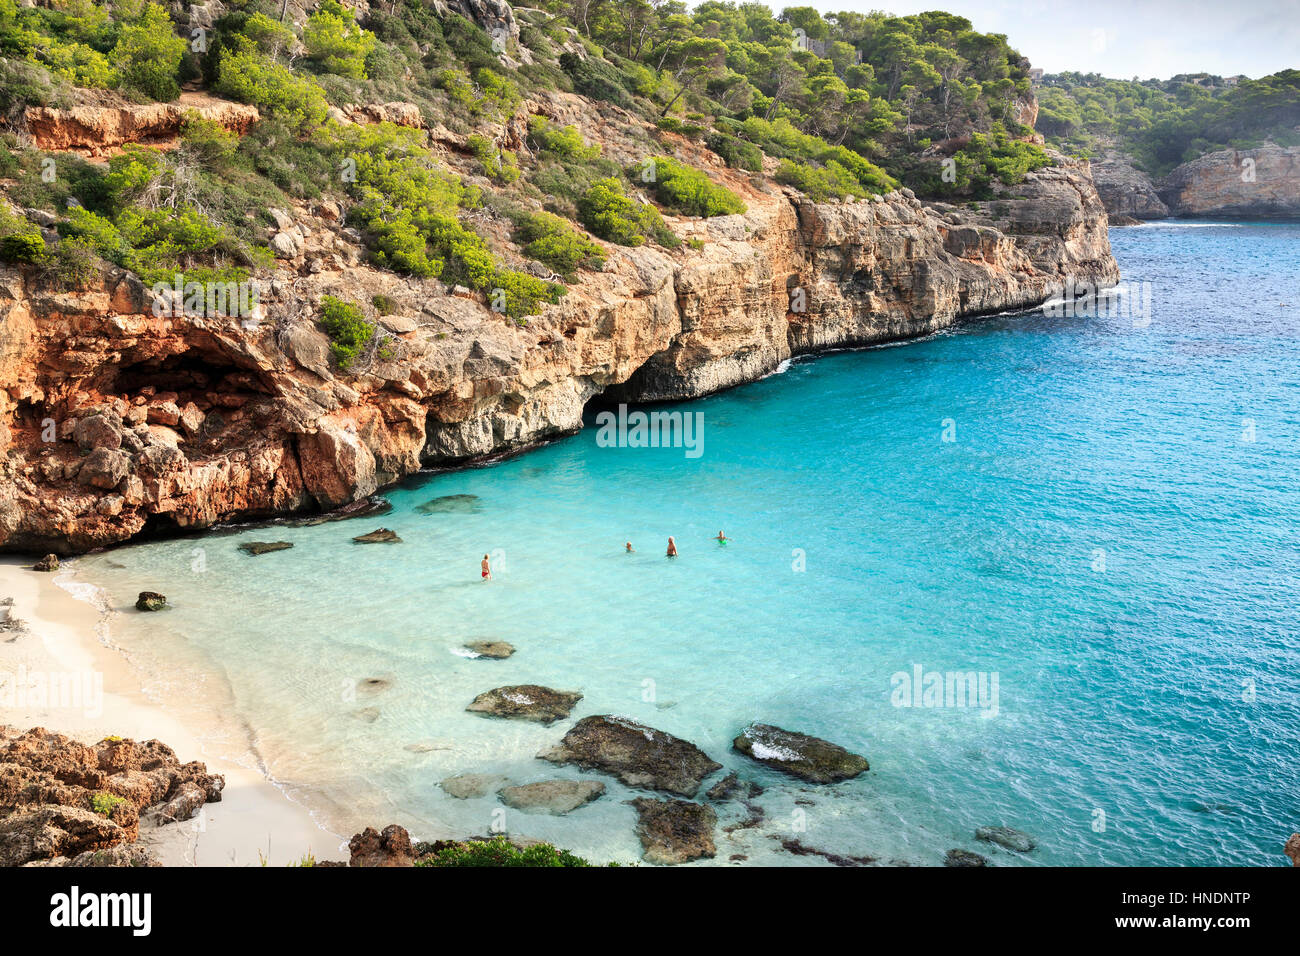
(471, 786)
(450, 504)
(1292, 848)
(379, 536)
(1006, 837)
(552, 796)
(640, 756)
(264, 547)
(48, 563)
(960, 857)
(802, 756)
(674, 831)
(150, 601)
(525, 702)
(372, 507)
(799, 848)
(496, 650)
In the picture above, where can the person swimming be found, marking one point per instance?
(629, 547)
(721, 538)
(672, 547)
(487, 569)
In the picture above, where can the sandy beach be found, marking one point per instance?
(60, 634)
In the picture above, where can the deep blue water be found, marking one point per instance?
(1114, 535)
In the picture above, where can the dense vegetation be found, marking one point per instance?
(1162, 123)
(498, 852)
(847, 105)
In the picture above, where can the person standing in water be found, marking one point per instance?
(487, 569)
(629, 547)
(721, 538)
(672, 547)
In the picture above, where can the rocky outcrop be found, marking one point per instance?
(387, 849)
(1261, 183)
(471, 786)
(960, 857)
(61, 798)
(542, 705)
(101, 130)
(1292, 848)
(1125, 190)
(492, 650)
(675, 831)
(255, 548)
(638, 755)
(168, 421)
(802, 756)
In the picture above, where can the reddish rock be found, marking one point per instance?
(390, 848)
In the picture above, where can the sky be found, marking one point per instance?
(1124, 38)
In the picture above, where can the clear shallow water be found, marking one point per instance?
(1121, 688)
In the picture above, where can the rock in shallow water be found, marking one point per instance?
(802, 756)
(48, 563)
(361, 508)
(379, 536)
(264, 547)
(450, 504)
(150, 601)
(525, 702)
(964, 858)
(674, 831)
(1006, 837)
(496, 650)
(638, 755)
(552, 796)
(471, 786)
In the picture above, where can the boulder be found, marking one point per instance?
(525, 702)
(150, 601)
(495, 650)
(552, 796)
(1006, 837)
(1292, 848)
(48, 563)
(674, 831)
(450, 504)
(638, 755)
(97, 431)
(802, 756)
(960, 857)
(390, 848)
(264, 547)
(105, 468)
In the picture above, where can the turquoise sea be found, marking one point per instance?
(1113, 534)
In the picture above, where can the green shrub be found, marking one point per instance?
(607, 211)
(687, 190)
(73, 263)
(148, 55)
(272, 87)
(347, 328)
(500, 164)
(335, 41)
(553, 241)
(105, 803)
(737, 153)
(596, 79)
(564, 141)
(384, 305)
(819, 183)
(500, 852)
(22, 247)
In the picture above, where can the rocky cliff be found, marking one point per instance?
(1261, 183)
(118, 417)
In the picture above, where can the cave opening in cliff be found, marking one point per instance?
(193, 375)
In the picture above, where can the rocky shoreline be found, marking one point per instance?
(1260, 183)
(117, 422)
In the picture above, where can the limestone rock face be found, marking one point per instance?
(638, 755)
(1125, 190)
(96, 130)
(1246, 184)
(263, 423)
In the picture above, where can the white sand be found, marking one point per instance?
(253, 821)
